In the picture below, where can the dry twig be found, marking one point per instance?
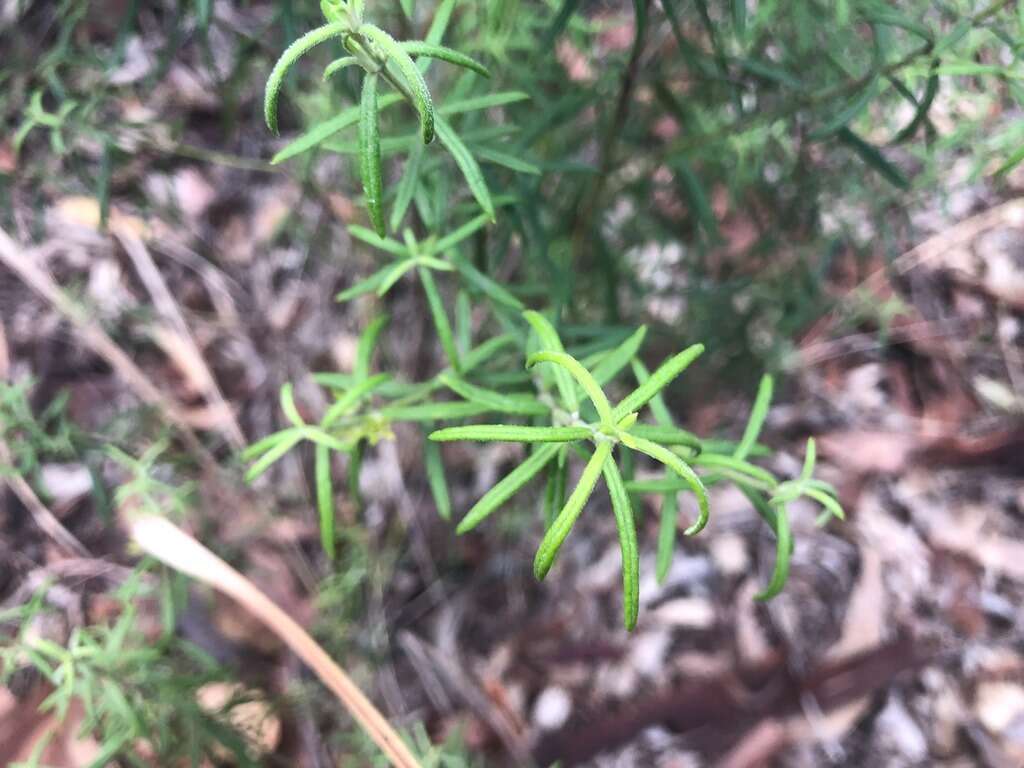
(163, 540)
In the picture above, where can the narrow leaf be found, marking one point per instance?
(433, 411)
(757, 416)
(351, 398)
(414, 78)
(440, 316)
(436, 479)
(506, 433)
(369, 154)
(549, 341)
(507, 486)
(501, 403)
(680, 467)
(367, 344)
(442, 53)
(322, 131)
(627, 543)
(467, 164)
(560, 528)
(407, 185)
(292, 54)
(667, 535)
(288, 405)
(660, 379)
(325, 497)
(338, 65)
(873, 156)
(366, 285)
(582, 377)
(666, 435)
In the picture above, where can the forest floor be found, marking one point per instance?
(898, 641)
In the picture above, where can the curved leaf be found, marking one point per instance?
(443, 53)
(582, 376)
(293, 53)
(413, 77)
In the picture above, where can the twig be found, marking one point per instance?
(163, 540)
(166, 306)
(99, 341)
(43, 517)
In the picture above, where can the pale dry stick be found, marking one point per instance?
(43, 517)
(160, 538)
(168, 307)
(41, 514)
(99, 342)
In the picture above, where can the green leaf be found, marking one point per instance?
(486, 285)
(293, 53)
(322, 131)
(486, 351)
(855, 106)
(369, 154)
(931, 90)
(285, 442)
(467, 164)
(810, 459)
(660, 379)
(1011, 162)
(442, 53)
(522, 405)
(385, 244)
(680, 467)
(658, 408)
(831, 506)
(407, 185)
(783, 542)
(582, 376)
(739, 17)
(367, 285)
(667, 535)
(339, 64)
(436, 479)
(367, 344)
(757, 416)
(506, 433)
(718, 461)
(414, 78)
(626, 525)
(507, 486)
(437, 311)
(513, 163)
(666, 435)
(348, 401)
(433, 411)
(395, 273)
(325, 497)
(560, 528)
(288, 406)
(548, 337)
(871, 155)
(554, 491)
(488, 101)
(461, 233)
